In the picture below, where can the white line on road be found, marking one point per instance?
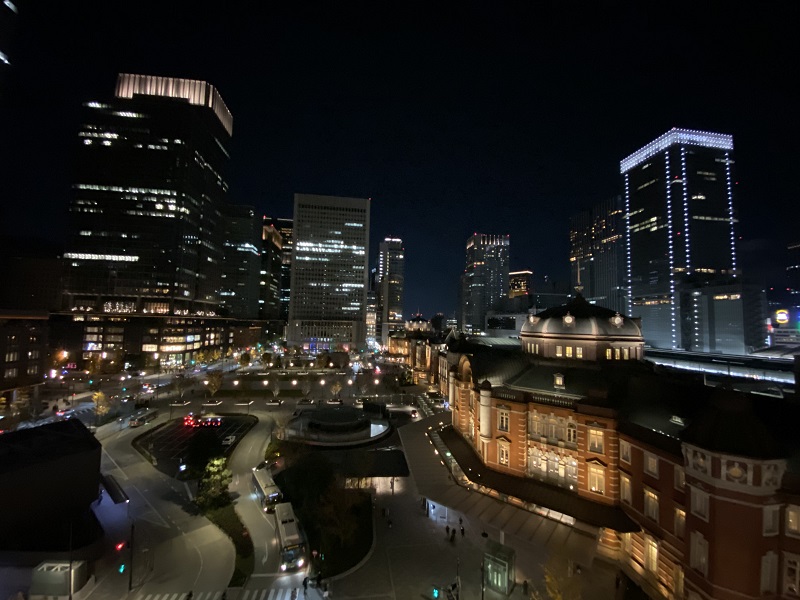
(124, 476)
(158, 514)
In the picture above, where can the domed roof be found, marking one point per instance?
(580, 318)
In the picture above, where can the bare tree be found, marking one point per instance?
(275, 388)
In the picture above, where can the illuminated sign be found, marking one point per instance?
(782, 316)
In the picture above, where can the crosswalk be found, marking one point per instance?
(271, 594)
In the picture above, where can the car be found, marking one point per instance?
(306, 401)
(334, 400)
(275, 402)
(229, 440)
(414, 413)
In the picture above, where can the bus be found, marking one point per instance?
(291, 541)
(268, 494)
(143, 416)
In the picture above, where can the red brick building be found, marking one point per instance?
(688, 484)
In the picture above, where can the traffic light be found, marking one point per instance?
(435, 593)
(119, 546)
(91, 381)
(122, 568)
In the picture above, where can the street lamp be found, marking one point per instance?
(158, 373)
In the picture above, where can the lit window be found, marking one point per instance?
(677, 582)
(559, 351)
(680, 478)
(651, 505)
(608, 353)
(626, 491)
(572, 433)
(597, 479)
(680, 522)
(793, 519)
(558, 381)
(578, 352)
(625, 354)
(699, 503)
(569, 351)
(596, 441)
(503, 421)
(651, 554)
(651, 464)
(616, 353)
(502, 454)
(625, 451)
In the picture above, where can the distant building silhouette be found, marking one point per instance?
(485, 279)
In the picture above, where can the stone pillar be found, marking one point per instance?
(486, 411)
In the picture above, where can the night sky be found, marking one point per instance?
(495, 117)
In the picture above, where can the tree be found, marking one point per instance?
(212, 490)
(306, 387)
(559, 584)
(336, 514)
(336, 387)
(101, 405)
(275, 387)
(362, 382)
(214, 379)
(183, 383)
(244, 359)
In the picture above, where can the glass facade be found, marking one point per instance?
(681, 226)
(390, 273)
(327, 309)
(145, 232)
(485, 279)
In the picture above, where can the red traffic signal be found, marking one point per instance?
(120, 546)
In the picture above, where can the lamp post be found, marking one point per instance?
(158, 373)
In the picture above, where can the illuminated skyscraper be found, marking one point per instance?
(327, 309)
(239, 288)
(597, 254)
(520, 284)
(681, 227)
(145, 235)
(485, 278)
(269, 302)
(285, 228)
(391, 267)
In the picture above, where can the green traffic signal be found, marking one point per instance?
(436, 592)
(122, 568)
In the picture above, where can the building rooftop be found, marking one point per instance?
(22, 448)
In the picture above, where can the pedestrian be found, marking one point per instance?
(189, 595)
(305, 584)
(447, 529)
(462, 531)
(453, 535)
(319, 579)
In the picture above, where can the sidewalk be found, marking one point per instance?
(413, 555)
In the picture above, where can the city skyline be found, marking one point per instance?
(479, 120)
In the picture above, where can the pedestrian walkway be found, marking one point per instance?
(266, 594)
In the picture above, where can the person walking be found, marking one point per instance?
(447, 529)
(462, 531)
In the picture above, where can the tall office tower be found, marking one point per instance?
(269, 302)
(681, 227)
(485, 278)
(793, 271)
(520, 284)
(597, 254)
(239, 288)
(144, 233)
(391, 268)
(329, 273)
(285, 228)
(372, 317)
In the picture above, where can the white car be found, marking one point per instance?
(229, 440)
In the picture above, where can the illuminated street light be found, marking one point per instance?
(235, 382)
(265, 382)
(294, 381)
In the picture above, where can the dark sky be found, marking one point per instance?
(496, 117)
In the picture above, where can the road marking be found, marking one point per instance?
(124, 476)
(266, 552)
(163, 521)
